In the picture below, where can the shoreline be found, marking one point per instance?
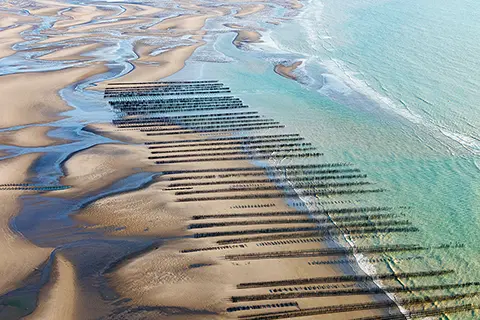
(137, 206)
(244, 35)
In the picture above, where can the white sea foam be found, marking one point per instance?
(268, 44)
(340, 82)
(331, 84)
(470, 143)
(339, 77)
(477, 164)
(339, 70)
(303, 76)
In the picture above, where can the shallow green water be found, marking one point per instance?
(391, 86)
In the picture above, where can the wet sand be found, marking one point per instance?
(79, 15)
(248, 10)
(189, 24)
(151, 68)
(18, 257)
(244, 35)
(72, 53)
(41, 102)
(96, 168)
(201, 281)
(287, 71)
(10, 37)
(59, 297)
(30, 137)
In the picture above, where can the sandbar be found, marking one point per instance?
(41, 102)
(152, 68)
(249, 9)
(30, 137)
(287, 71)
(246, 36)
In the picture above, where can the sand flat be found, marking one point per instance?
(97, 167)
(246, 36)
(7, 21)
(18, 256)
(9, 37)
(152, 68)
(186, 23)
(287, 71)
(175, 282)
(249, 9)
(41, 102)
(57, 38)
(142, 212)
(79, 15)
(166, 64)
(29, 137)
(139, 10)
(121, 23)
(51, 9)
(58, 298)
(295, 4)
(153, 210)
(110, 131)
(166, 276)
(139, 211)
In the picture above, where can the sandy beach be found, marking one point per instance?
(287, 71)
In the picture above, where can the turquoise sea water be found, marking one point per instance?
(392, 86)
